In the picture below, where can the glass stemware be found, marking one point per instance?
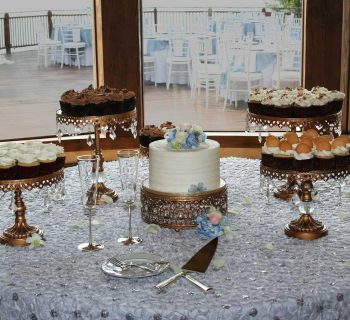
(128, 166)
(88, 173)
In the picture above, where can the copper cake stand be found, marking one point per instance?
(306, 227)
(179, 210)
(20, 231)
(330, 124)
(127, 121)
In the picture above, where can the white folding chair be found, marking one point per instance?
(288, 71)
(206, 72)
(47, 48)
(240, 80)
(149, 68)
(72, 47)
(178, 60)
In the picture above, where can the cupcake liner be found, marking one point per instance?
(342, 161)
(284, 163)
(324, 163)
(79, 111)
(267, 160)
(256, 108)
(100, 109)
(335, 106)
(8, 173)
(303, 165)
(302, 112)
(129, 104)
(144, 141)
(65, 107)
(47, 167)
(26, 172)
(59, 164)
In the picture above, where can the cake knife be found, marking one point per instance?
(199, 262)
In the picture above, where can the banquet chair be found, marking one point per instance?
(149, 68)
(178, 60)
(47, 48)
(72, 47)
(240, 80)
(288, 71)
(206, 72)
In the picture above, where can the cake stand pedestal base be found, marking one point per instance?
(306, 228)
(17, 235)
(179, 210)
(102, 191)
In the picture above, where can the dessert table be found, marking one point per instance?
(257, 272)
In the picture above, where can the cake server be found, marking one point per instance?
(199, 262)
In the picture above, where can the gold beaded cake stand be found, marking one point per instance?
(20, 231)
(330, 124)
(179, 210)
(306, 227)
(127, 121)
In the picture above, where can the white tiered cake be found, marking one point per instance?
(180, 170)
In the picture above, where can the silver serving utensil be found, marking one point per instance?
(125, 266)
(199, 262)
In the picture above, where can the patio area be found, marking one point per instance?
(29, 96)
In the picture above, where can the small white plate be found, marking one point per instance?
(145, 259)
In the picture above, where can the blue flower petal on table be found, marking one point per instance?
(218, 262)
(234, 212)
(80, 225)
(268, 246)
(95, 222)
(247, 201)
(153, 228)
(344, 215)
(228, 232)
(35, 241)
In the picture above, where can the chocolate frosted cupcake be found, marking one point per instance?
(47, 162)
(341, 153)
(8, 168)
(303, 158)
(324, 158)
(129, 100)
(166, 126)
(254, 101)
(144, 135)
(99, 103)
(270, 147)
(284, 158)
(61, 158)
(27, 166)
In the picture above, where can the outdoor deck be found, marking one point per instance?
(29, 97)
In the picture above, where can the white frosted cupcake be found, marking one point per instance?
(27, 166)
(341, 153)
(7, 168)
(47, 162)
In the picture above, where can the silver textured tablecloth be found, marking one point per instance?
(265, 276)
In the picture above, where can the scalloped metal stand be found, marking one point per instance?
(330, 124)
(17, 235)
(306, 227)
(103, 192)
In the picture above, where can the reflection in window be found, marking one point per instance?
(201, 63)
(48, 53)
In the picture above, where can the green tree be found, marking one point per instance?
(288, 6)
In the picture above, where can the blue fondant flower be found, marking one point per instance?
(185, 137)
(212, 224)
(200, 187)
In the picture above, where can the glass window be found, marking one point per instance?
(48, 53)
(201, 62)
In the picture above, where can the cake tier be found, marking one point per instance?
(177, 170)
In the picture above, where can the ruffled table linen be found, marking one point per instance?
(257, 272)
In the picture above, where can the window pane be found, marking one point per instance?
(50, 54)
(201, 62)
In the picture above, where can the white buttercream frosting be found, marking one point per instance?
(47, 156)
(176, 171)
(14, 153)
(269, 150)
(27, 158)
(59, 150)
(303, 156)
(7, 161)
(285, 152)
(341, 151)
(3, 152)
(323, 153)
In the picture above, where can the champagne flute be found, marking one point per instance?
(88, 173)
(128, 166)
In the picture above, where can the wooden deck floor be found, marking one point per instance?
(29, 97)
